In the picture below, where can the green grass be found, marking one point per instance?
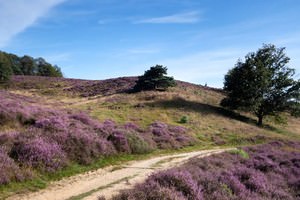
(240, 152)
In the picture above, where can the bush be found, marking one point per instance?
(154, 79)
(184, 120)
(39, 153)
(137, 144)
(9, 170)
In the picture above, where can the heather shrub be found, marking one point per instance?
(85, 119)
(39, 153)
(51, 124)
(81, 146)
(182, 181)
(9, 170)
(137, 144)
(150, 190)
(166, 136)
(119, 140)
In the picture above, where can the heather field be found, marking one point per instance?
(52, 128)
(269, 171)
(48, 140)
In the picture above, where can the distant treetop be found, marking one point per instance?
(11, 64)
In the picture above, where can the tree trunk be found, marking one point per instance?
(260, 120)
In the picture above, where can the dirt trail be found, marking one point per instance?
(110, 180)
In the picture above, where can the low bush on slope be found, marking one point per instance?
(48, 140)
(270, 171)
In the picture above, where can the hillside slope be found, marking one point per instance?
(77, 125)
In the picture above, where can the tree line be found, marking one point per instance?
(11, 64)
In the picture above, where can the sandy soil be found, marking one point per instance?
(110, 180)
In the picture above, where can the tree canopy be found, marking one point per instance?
(26, 65)
(154, 79)
(263, 84)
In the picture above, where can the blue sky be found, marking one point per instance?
(198, 40)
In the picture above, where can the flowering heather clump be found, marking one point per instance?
(119, 140)
(85, 119)
(11, 109)
(181, 181)
(9, 170)
(230, 176)
(167, 136)
(51, 124)
(39, 153)
(82, 147)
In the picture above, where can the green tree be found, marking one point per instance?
(263, 84)
(46, 69)
(5, 68)
(5, 73)
(15, 64)
(28, 65)
(154, 79)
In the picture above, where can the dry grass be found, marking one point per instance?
(206, 120)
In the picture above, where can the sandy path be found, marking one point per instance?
(109, 181)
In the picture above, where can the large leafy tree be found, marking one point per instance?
(263, 84)
(154, 79)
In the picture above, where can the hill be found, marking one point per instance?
(83, 125)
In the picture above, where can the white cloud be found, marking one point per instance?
(17, 15)
(181, 18)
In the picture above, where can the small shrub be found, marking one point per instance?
(137, 144)
(184, 120)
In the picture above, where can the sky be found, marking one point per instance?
(198, 40)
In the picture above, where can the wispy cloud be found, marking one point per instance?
(17, 15)
(59, 57)
(180, 18)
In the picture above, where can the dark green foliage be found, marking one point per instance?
(263, 84)
(46, 69)
(5, 68)
(154, 79)
(184, 120)
(26, 65)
